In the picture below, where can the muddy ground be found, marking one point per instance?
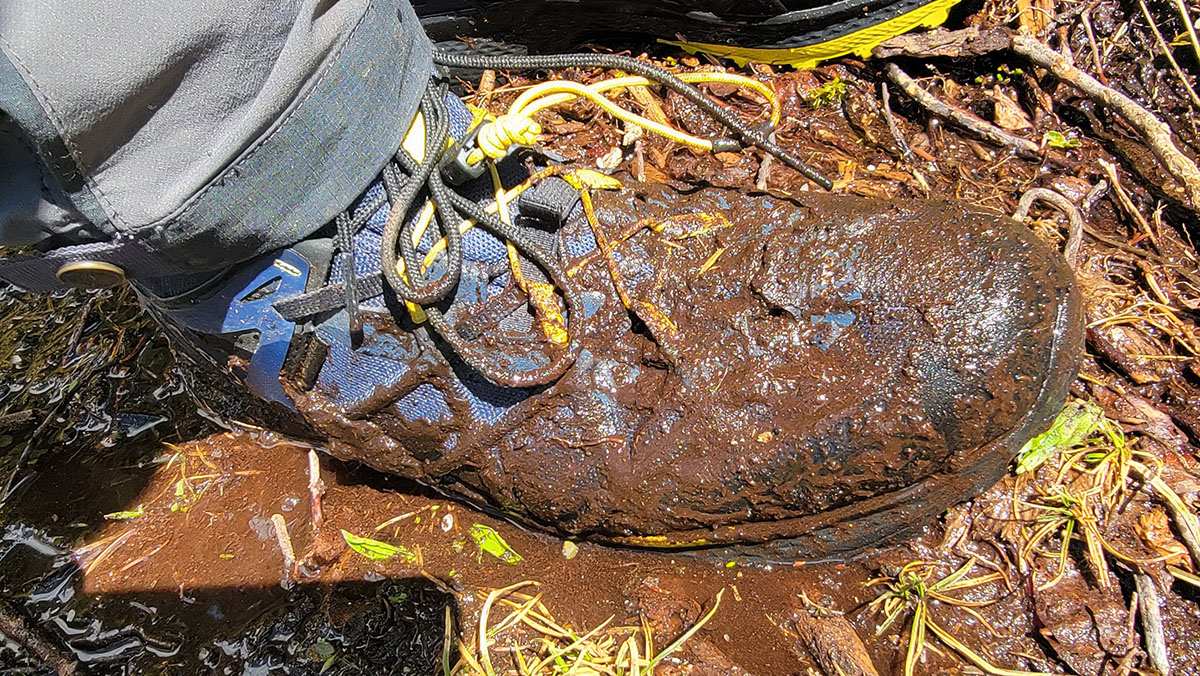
(139, 536)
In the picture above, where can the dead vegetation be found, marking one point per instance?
(529, 641)
(1078, 118)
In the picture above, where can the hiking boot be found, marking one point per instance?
(801, 33)
(799, 376)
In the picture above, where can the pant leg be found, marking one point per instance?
(205, 131)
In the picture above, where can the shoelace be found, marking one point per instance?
(404, 268)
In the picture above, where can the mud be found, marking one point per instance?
(832, 371)
(89, 387)
(131, 590)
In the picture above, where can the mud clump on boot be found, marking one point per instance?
(802, 376)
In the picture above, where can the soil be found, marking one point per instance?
(139, 537)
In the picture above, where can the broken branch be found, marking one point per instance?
(1156, 132)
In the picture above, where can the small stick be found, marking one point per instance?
(764, 169)
(1086, 18)
(285, 545)
(901, 142)
(1152, 623)
(1156, 132)
(1094, 195)
(1125, 666)
(37, 643)
(1162, 44)
(487, 85)
(77, 332)
(1127, 202)
(962, 118)
(316, 489)
(1075, 231)
(12, 421)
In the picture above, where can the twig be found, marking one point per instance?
(1152, 623)
(285, 546)
(901, 142)
(487, 85)
(1156, 132)
(1086, 18)
(1075, 231)
(1166, 49)
(832, 642)
(764, 169)
(12, 421)
(17, 629)
(1094, 195)
(77, 331)
(316, 489)
(962, 118)
(1127, 202)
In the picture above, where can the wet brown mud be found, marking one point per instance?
(218, 565)
(830, 371)
(201, 590)
(219, 561)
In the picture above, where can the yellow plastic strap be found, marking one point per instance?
(859, 43)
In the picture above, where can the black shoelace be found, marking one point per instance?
(405, 179)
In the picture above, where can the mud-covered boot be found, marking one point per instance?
(806, 375)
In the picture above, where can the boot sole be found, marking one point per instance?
(801, 38)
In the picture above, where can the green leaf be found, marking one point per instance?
(829, 93)
(569, 549)
(1056, 139)
(320, 651)
(376, 550)
(490, 541)
(126, 515)
(1075, 425)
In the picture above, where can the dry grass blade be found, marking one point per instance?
(1184, 576)
(538, 645)
(974, 657)
(577, 643)
(484, 657)
(1166, 50)
(916, 638)
(910, 587)
(447, 642)
(685, 636)
(1186, 16)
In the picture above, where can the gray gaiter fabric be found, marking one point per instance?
(236, 125)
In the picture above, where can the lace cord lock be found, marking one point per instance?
(455, 165)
